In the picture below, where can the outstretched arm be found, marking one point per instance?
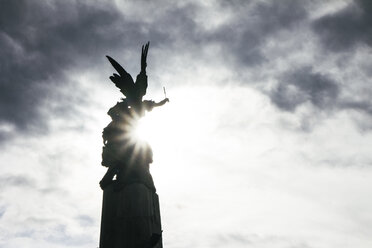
(161, 103)
(149, 105)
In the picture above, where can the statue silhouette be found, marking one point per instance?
(130, 211)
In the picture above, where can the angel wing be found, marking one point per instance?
(141, 80)
(124, 80)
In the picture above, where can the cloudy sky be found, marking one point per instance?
(266, 141)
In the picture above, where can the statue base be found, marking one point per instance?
(130, 217)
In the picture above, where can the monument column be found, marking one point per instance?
(130, 207)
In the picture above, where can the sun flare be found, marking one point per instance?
(143, 130)
(151, 128)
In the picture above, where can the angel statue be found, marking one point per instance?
(134, 91)
(130, 212)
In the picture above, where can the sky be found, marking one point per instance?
(265, 141)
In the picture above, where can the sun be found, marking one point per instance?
(144, 129)
(174, 126)
(151, 128)
(173, 132)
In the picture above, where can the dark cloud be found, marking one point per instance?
(40, 41)
(344, 31)
(302, 86)
(252, 25)
(346, 28)
(363, 106)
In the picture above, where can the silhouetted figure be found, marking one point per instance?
(134, 91)
(130, 212)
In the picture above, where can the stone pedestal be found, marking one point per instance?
(130, 217)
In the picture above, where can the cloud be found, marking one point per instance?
(302, 86)
(38, 42)
(347, 28)
(251, 154)
(257, 240)
(244, 35)
(320, 95)
(45, 41)
(364, 106)
(328, 74)
(41, 42)
(16, 181)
